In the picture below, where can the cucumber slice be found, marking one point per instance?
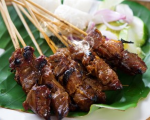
(136, 33)
(138, 28)
(103, 27)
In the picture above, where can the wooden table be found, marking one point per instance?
(146, 4)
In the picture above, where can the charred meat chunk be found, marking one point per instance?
(72, 80)
(27, 67)
(114, 54)
(60, 98)
(132, 64)
(98, 67)
(38, 100)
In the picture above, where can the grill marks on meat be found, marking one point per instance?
(28, 73)
(71, 78)
(97, 67)
(26, 67)
(38, 100)
(113, 52)
(64, 84)
(60, 98)
(132, 63)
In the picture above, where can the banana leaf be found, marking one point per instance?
(12, 95)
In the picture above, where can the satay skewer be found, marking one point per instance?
(7, 25)
(8, 21)
(124, 64)
(58, 18)
(58, 24)
(48, 40)
(27, 29)
(50, 27)
(16, 31)
(14, 39)
(65, 24)
(57, 34)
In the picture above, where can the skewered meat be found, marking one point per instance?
(97, 67)
(26, 67)
(39, 100)
(60, 98)
(67, 80)
(71, 78)
(113, 52)
(132, 63)
(29, 71)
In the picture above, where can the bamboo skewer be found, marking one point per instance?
(61, 25)
(44, 17)
(58, 18)
(52, 29)
(11, 27)
(51, 14)
(31, 13)
(38, 26)
(27, 29)
(57, 34)
(16, 31)
(8, 24)
(63, 39)
(48, 40)
(8, 27)
(9, 30)
(19, 36)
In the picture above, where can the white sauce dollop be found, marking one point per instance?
(83, 46)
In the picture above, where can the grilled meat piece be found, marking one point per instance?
(39, 100)
(26, 66)
(113, 52)
(132, 64)
(97, 67)
(60, 98)
(68, 74)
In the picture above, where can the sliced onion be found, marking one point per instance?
(114, 27)
(109, 35)
(108, 15)
(125, 10)
(91, 26)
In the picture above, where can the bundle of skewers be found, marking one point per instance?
(73, 78)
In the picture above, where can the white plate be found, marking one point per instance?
(141, 112)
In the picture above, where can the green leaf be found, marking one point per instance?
(12, 95)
